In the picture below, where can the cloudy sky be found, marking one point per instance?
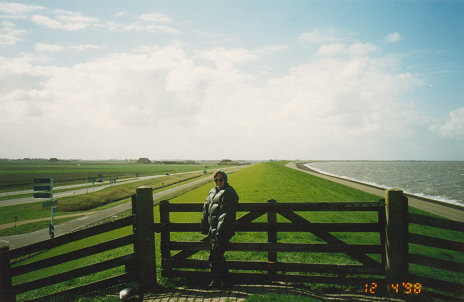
(232, 79)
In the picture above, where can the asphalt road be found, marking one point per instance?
(451, 212)
(16, 241)
(80, 190)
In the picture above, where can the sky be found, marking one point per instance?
(242, 80)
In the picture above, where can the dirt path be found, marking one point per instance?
(451, 212)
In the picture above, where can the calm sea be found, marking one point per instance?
(438, 180)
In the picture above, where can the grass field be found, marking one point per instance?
(258, 183)
(82, 203)
(19, 175)
(16, 175)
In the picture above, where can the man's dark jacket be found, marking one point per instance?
(219, 212)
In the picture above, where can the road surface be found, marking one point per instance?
(23, 200)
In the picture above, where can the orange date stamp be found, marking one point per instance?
(397, 288)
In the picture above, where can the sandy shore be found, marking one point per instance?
(449, 211)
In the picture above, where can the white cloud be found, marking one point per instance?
(84, 47)
(356, 49)
(361, 49)
(324, 36)
(65, 20)
(139, 26)
(453, 127)
(228, 58)
(120, 14)
(9, 34)
(161, 99)
(272, 49)
(393, 37)
(18, 9)
(161, 28)
(43, 47)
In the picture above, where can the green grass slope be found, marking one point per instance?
(272, 180)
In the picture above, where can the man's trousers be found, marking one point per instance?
(217, 261)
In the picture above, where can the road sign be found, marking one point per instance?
(42, 195)
(42, 180)
(50, 203)
(42, 188)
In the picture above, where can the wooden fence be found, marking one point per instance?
(394, 274)
(443, 289)
(134, 264)
(178, 264)
(382, 264)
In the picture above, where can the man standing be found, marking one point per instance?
(218, 221)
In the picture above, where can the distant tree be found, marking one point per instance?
(143, 160)
(227, 162)
(53, 160)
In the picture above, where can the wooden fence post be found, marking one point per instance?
(272, 239)
(145, 239)
(165, 239)
(396, 241)
(6, 289)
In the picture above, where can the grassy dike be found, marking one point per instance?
(258, 183)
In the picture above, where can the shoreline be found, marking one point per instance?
(442, 209)
(426, 199)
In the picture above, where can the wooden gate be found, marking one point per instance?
(281, 217)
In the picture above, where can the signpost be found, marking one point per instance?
(92, 180)
(43, 188)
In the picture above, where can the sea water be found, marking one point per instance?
(438, 180)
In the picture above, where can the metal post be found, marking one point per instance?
(86, 181)
(52, 228)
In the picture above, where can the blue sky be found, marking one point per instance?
(232, 79)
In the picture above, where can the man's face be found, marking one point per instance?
(219, 180)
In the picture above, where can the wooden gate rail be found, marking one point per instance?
(67, 238)
(73, 256)
(135, 263)
(88, 251)
(285, 227)
(172, 263)
(444, 288)
(72, 274)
